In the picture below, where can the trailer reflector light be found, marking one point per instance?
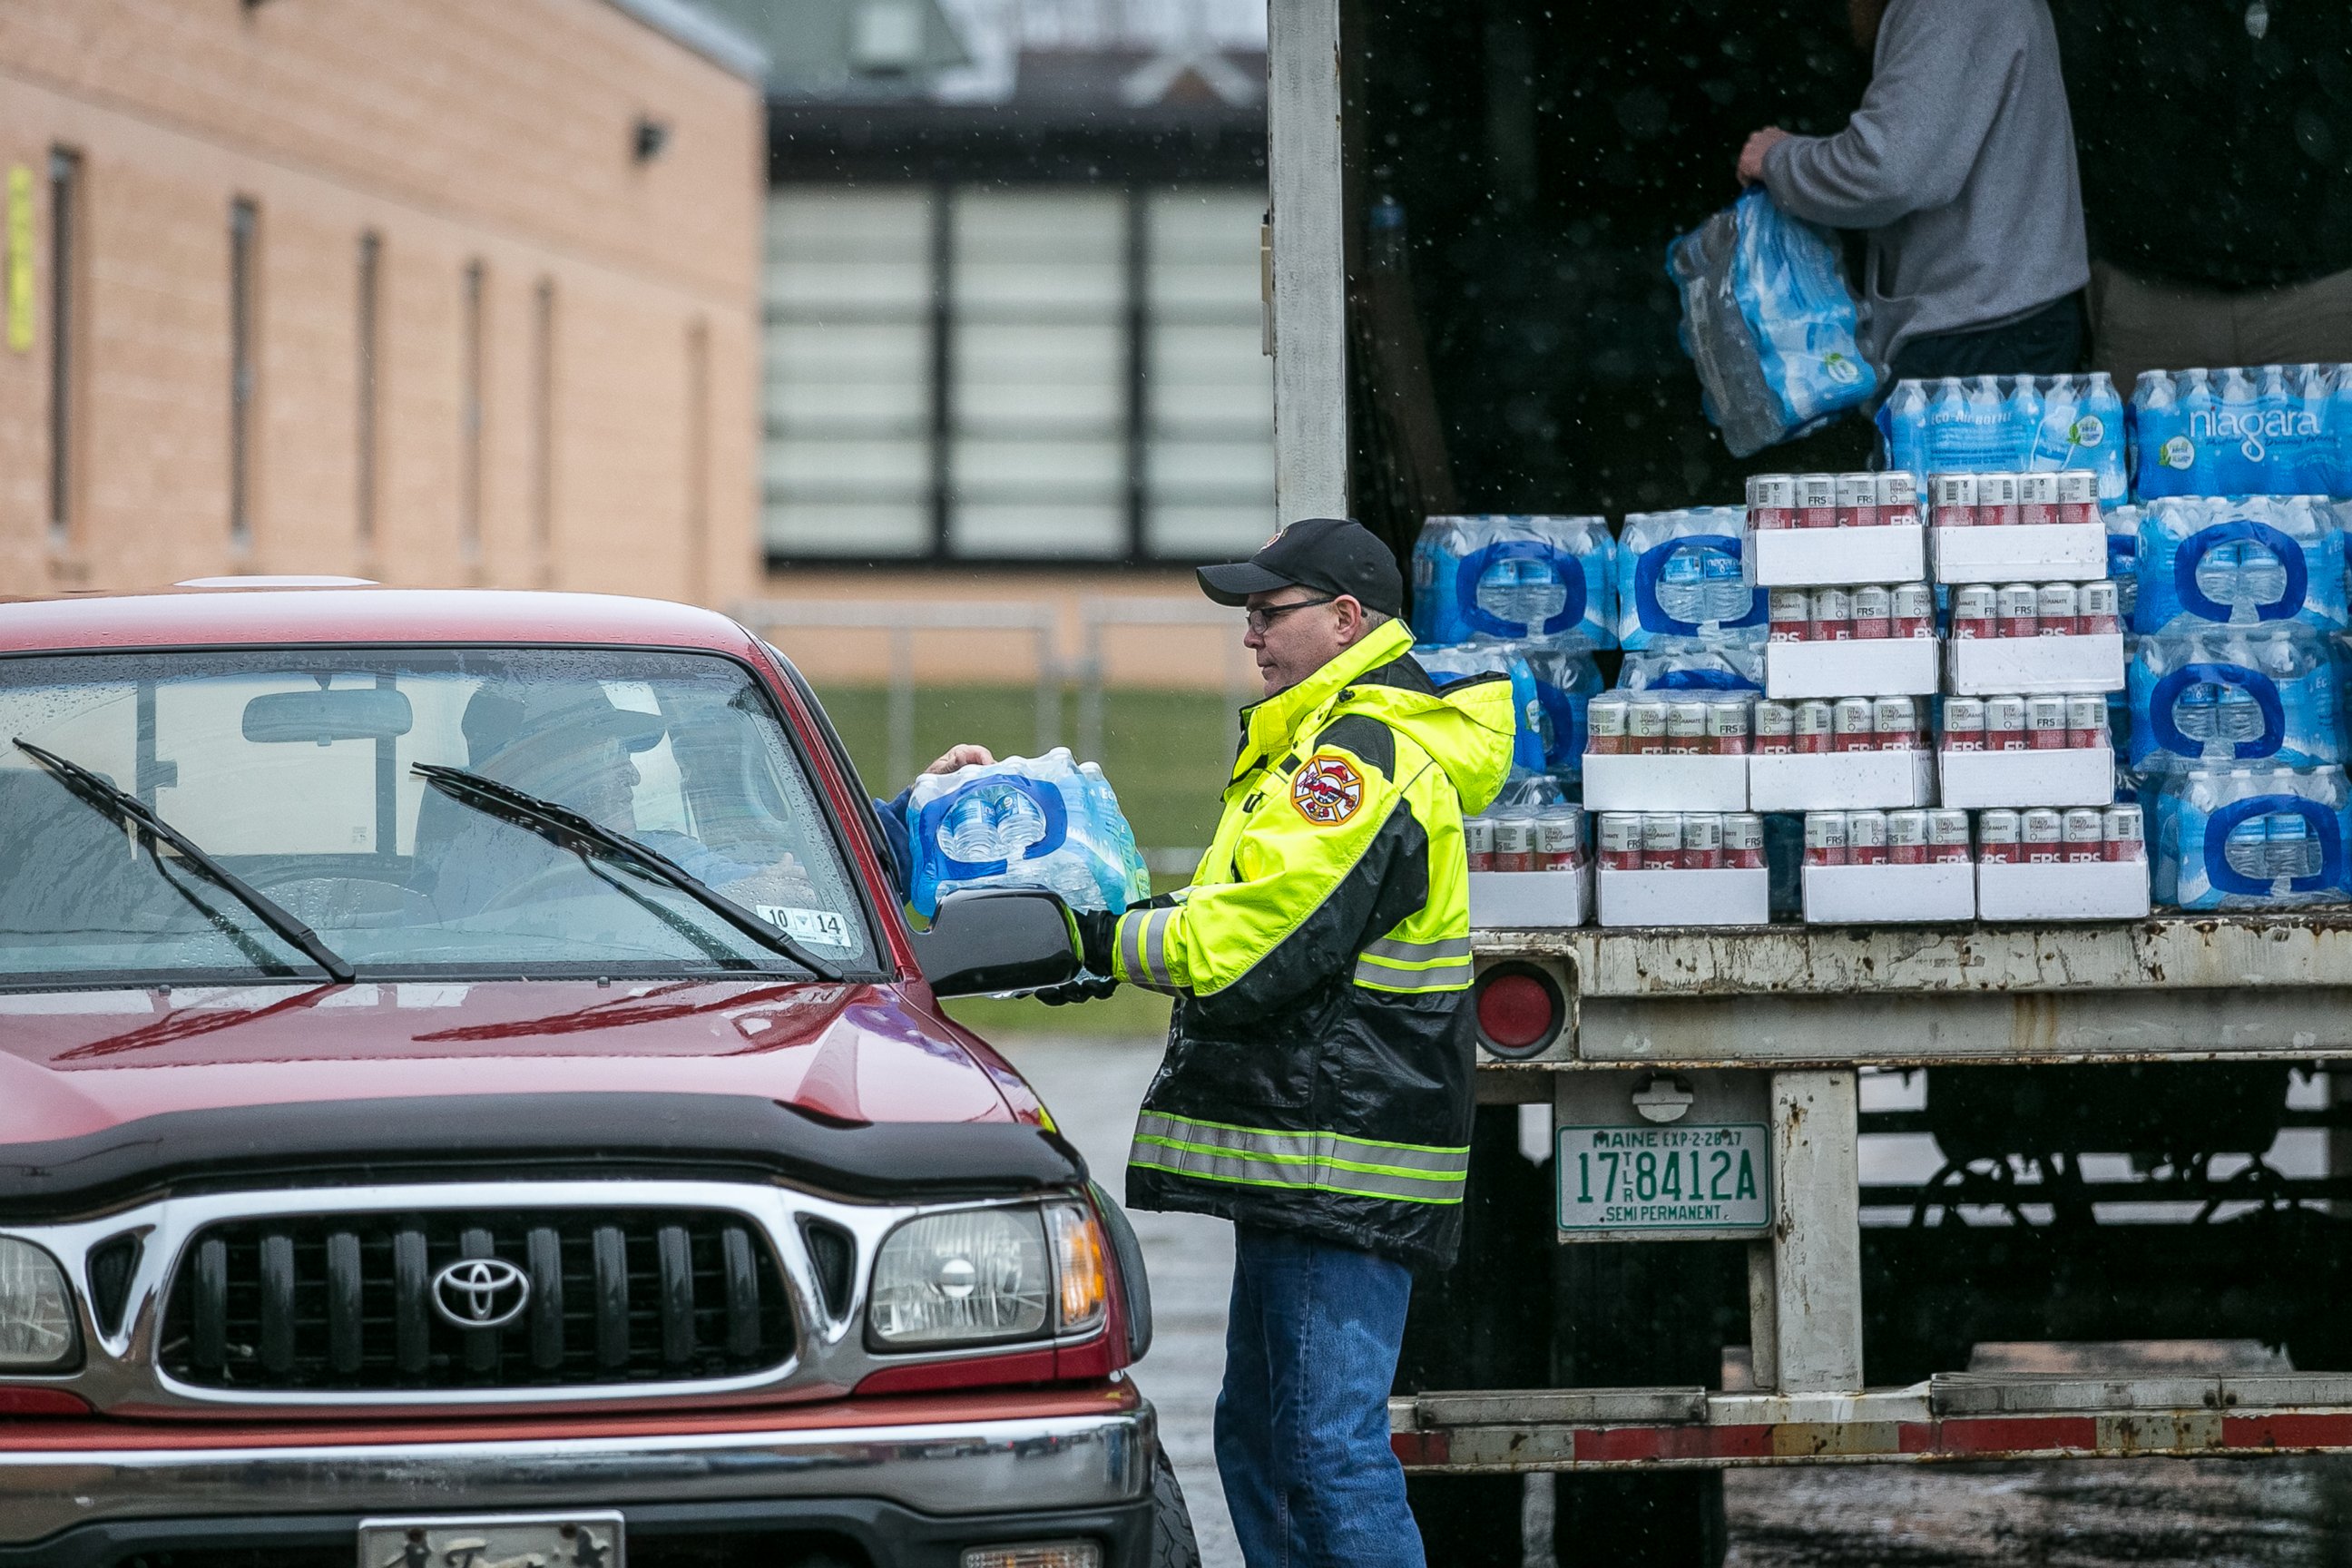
(1520, 1010)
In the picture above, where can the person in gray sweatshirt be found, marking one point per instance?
(1959, 164)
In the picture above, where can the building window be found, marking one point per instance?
(1208, 417)
(542, 413)
(470, 415)
(366, 405)
(244, 238)
(64, 221)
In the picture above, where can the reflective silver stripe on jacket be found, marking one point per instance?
(1415, 965)
(1326, 1161)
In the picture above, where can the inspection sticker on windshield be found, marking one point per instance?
(1675, 1178)
(823, 927)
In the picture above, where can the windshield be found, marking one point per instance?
(296, 771)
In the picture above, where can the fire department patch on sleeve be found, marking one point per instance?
(1327, 791)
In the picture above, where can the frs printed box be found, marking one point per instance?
(1874, 895)
(1812, 557)
(1993, 666)
(1657, 783)
(2063, 890)
(1882, 667)
(2027, 553)
(1841, 781)
(1733, 897)
(2078, 776)
(1529, 900)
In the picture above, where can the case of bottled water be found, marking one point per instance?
(1515, 577)
(2217, 699)
(2252, 839)
(2272, 429)
(2122, 558)
(1770, 323)
(1732, 668)
(1550, 686)
(2018, 424)
(1681, 574)
(1023, 822)
(2252, 561)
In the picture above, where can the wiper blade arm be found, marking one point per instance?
(583, 835)
(128, 810)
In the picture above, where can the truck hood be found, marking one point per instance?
(75, 1062)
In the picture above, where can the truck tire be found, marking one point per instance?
(1173, 1541)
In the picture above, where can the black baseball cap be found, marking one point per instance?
(1334, 555)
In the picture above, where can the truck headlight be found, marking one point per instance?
(36, 1325)
(968, 1276)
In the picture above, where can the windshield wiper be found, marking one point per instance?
(126, 810)
(584, 836)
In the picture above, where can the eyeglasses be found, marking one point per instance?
(1260, 620)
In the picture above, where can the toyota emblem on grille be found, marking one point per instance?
(480, 1292)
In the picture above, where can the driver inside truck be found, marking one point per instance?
(1959, 165)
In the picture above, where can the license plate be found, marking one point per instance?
(1678, 1178)
(493, 1540)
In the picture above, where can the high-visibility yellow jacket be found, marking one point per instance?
(1318, 1067)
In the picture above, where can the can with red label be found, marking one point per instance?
(1906, 837)
(1686, 729)
(2045, 723)
(2122, 834)
(2086, 720)
(1478, 842)
(1947, 836)
(1858, 500)
(2005, 724)
(1898, 498)
(2000, 837)
(1816, 500)
(1996, 500)
(2078, 496)
(1645, 726)
(1621, 840)
(1972, 610)
(1702, 841)
(1914, 610)
(1832, 614)
(1964, 725)
(1825, 839)
(1792, 615)
(1849, 726)
(2085, 834)
(1816, 724)
(1874, 613)
(1743, 841)
(2054, 608)
(1559, 838)
(2016, 613)
(1727, 728)
(1773, 727)
(1604, 725)
(1895, 720)
(1952, 500)
(2042, 830)
(1771, 502)
(2098, 609)
(1661, 841)
(1865, 838)
(1515, 841)
(2037, 497)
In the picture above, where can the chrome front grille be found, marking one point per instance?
(391, 1300)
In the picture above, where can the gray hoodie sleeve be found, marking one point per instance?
(1939, 79)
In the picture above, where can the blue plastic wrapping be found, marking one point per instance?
(1680, 575)
(2252, 839)
(1023, 822)
(1513, 578)
(2220, 698)
(2208, 560)
(2276, 429)
(1733, 668)
(2017, 424)
(1770, 323)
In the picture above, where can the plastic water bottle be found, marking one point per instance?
(2239, 451)
(2314, 471)
(2099, 433)
(2025, 405)
(1904, 420)
(1948, 424)
(1726, 594)
(1523, 590)
(1681, 586)
(2236, 717)
(2292, 850)
(2339, 438)
(2197, 713)
(2055, 436)
(1987, 425)
(2198, 409)
(2248, 849)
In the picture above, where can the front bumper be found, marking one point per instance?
(943, 1483)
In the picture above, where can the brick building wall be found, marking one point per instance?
(614, 365)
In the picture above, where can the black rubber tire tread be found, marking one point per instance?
(1174, 1545)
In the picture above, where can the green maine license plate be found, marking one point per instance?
(1673, 1178)
(583, 1540)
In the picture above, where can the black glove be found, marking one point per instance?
(1076, 991)
(1098, 932)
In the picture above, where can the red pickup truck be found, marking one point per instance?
(469, 1097)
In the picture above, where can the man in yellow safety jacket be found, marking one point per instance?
(1317, 1088)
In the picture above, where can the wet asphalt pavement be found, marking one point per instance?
(2236, 1513)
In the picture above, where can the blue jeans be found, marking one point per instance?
(1303, 1420)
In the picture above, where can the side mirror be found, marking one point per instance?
(998, 939)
